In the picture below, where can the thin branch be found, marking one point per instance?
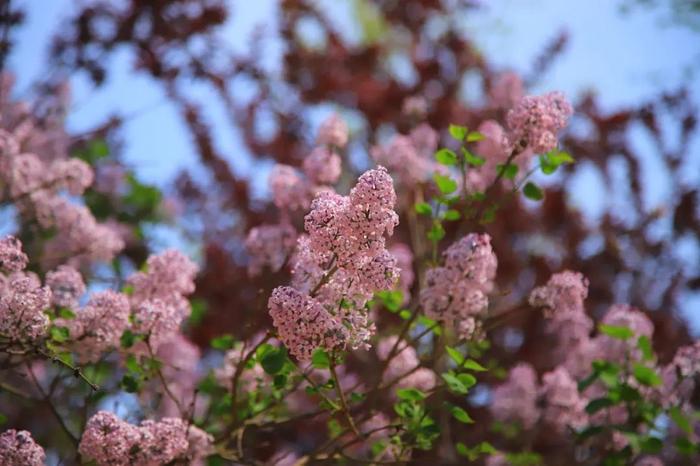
(47, 399)
(341, 396)
(77, 371)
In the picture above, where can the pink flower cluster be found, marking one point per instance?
(456, 292)
(535, 121)
(22, 301)
(99, 325)
(303, 324)
(333, 132)
(415, 106)
(516, 399)
(292, 189)
(565, 292)
(289, 188)
(622, 315)
(158, 297)
(506, 90)
(12, 258)
(44, 135)
(404, 366)
(562, 300)
(35, 172)
(109, 441)
(556, 402)
(410, 157)
(563, 406)
(17, 448)
(404, 262)
(270, 246)
(338, 268)
(322, 166)
(67, 286)
(79, 238)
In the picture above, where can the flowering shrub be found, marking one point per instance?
(78, 348)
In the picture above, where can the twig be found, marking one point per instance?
(240, 367)
(54, 410)
(164, 383)
(77, 371)
(341, 396)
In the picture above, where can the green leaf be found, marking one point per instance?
(559, 157)
(223, 342)
(552, 160)
(334, 428)
(405, 314)
(436, 233)
(599, 403)
(127, 339)
(462, 362)
(3, 419)
(455, 355)
(199, 309)
(475, 136)
(651, 445)
(625, 393)
(467, 380)
(144, 198)
(446, 157)
(130, 384)
(458, 132)
(525, 458)
(685, 447)
(356, 397)
(273, 361)
(489, 214)
(486, 447)
(454, 384)
(461, 415)
(132, 364)
(644, 344)
(616, 331)
(452, 215)
(532, 191)
(65, 313)
(320, 359)
(410, 394)
(445, 184)
(646, 376)
(423, 208)
(509, 171)
(280, 381)
(681, 420)
(590, 431)
(95, 150)
(587, 382)
(472, 159)
(472, 365)
(430, 323)
(463, 450)
(60, 334)
(391, 299)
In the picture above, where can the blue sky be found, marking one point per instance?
(624, 58)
